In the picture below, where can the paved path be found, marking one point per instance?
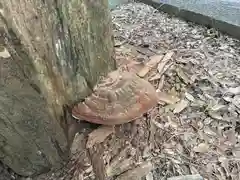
(225, 10)
(114, 3)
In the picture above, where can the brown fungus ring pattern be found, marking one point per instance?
(117, 99)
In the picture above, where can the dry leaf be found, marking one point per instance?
(201, 148)
(154, 60)
(180, 106)
(99, 135)
(167, 98)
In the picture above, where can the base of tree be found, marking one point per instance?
(118, 152)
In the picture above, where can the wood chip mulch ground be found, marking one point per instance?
(195, 128)
(197, 73)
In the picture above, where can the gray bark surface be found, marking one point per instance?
(59, 50)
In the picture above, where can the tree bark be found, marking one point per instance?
(59, 50)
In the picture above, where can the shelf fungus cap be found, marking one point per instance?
(117, 99)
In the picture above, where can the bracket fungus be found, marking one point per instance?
(117, 99)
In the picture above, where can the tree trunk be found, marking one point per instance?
(59, 50)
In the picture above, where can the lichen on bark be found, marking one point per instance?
(61, 48)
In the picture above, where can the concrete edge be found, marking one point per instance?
(197, 18)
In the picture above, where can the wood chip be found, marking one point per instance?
(183, 76)
(235, 90)
(99, 135)
(133, 66)
(167, 98)
(201, 148)
(154, 60)
(5, 53)
(187, 177)
(217, 107)
(149, 176)
(121, 166)
(230, 134)
(167, 66)
(145, 51)
(155, 77)
(119, 43)
(215, 115)
(159, 125)
(161, 83)
(189, 97)
(136, 173)
(77, 144)
(163, 63)
(179, 107)
(227, 98)
(172, 122)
